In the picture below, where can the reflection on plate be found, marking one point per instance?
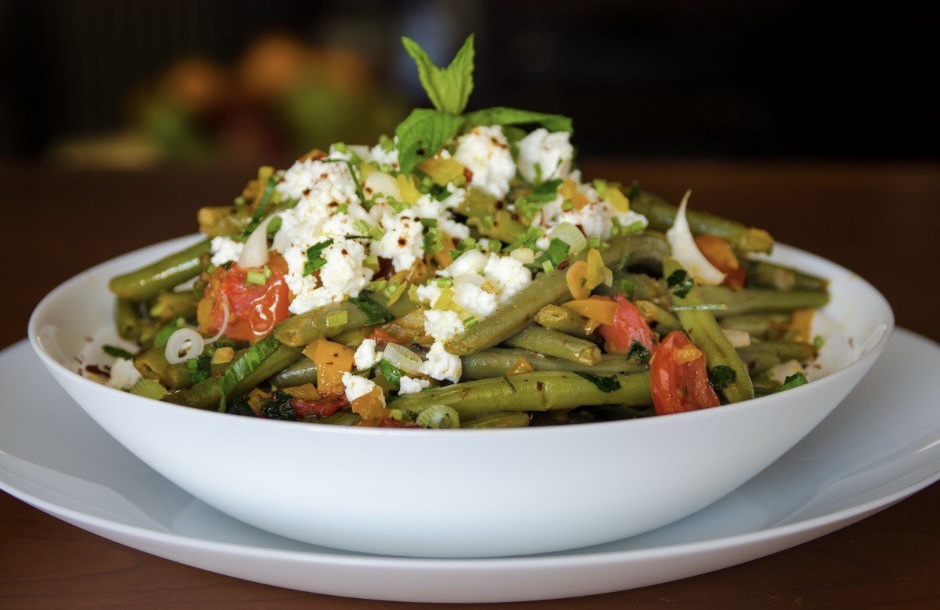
(858, 461)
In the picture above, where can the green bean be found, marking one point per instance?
(764, 355)
(170, 271)
(703, 330)
(562, 319)
(208, 393)
(520, 309)
(498, 420)
(301, 372)
(171, 305)
(765, 274)
(760, 300)
(554, 343)
(658, 318)
(152, 364)
(301, 329)
(661, 215)
(635, 285)
(542, 391)
(127, 319)
(496, 361)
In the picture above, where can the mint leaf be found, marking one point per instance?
(423, 134)
(375, 313)
(448, 88)
(500, 115)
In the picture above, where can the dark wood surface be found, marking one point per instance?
(881, 220)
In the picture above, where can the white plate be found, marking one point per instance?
(861, 459)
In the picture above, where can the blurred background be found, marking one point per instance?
(139, 83)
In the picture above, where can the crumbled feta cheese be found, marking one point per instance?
(545, 156)
(471, 261)
(441, 364)
(407, 385)
(474, 299)
(485, 152)
(429, 207)
(319, 182)
(225, 250)
(342, 276)
(124, 374)
(403, 242)
(429, 293)
(508, 274)
(357, 387)
(366, 355)
(386, 155)
(442, 324)
(350, 152)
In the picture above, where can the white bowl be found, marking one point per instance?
(455, 493)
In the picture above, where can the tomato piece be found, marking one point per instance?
(628, 326)
(253, 309)
(679, 378)
(321, 407)
(719, 253)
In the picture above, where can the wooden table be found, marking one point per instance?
(879, 219)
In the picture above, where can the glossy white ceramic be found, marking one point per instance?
(879, 446)
(457, 493)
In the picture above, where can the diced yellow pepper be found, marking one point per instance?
(444, 171)
(406, 186)
(617, 199)
(596, 308)
(332, 360)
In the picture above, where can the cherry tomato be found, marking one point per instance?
(253, 309)
(628, 326)
(678, 377)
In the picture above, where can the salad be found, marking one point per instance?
(461, 273)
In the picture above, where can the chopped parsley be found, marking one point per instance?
(604, 384)
(315, 258)
(680, 283)
(721, 377)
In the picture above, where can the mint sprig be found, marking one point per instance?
(423, 134)
(448, 88)
(426, 131)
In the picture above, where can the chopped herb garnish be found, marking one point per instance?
(199, 368)
(315, 258)
(604, 384)
(628, 288)
(163, 335)
(547, 191)
(256, 277)
(680, 283)
(117, 352)
(557, 251)
(391, 372)
(375, 313)
(792, 381)
(639, 352)
(721, 377)
(279, 406)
